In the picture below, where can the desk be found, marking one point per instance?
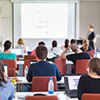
(23, 81)
(68, 64)
(20, 63)
(60, 95)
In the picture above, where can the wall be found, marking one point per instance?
(90, 14)
(6, 20)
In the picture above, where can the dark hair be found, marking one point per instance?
(41, 43)
(66, 43)
(54, 43)
(94, 65)
(73, 41)
(41, 52)
(7, 45)
(91, 43)
(1, 73)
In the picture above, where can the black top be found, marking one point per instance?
(88, 84)
(43, 68)
(89, 48)
(91, 36)
(77, 56)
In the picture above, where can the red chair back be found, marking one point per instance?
(90, 53)
(17, 57)
(61, 64)
(11, 66)
(41, 98)
(90, 96)
(29, 57)
(93, 51)
(81, 66)
(40, 83)
(11, 72)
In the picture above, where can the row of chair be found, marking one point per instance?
(81, 66)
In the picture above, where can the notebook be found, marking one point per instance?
(6, 69)
(71, 83)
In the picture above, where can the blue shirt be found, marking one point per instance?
(43, 68)
(7, 91)
(8, 56)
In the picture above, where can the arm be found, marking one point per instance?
(12, 92)
(94, 40)
(58, 74)
(29, 74)
(63, 56)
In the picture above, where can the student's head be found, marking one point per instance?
(20, 41)
(2, 78)
(94, 65)
(54, 43)
(90, 28)
(74, 47)
(41, 52)
(66, 43)
(73, 41)
(7, 45)
(41, 43)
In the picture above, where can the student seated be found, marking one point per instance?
(7, 53)
(56, 50)
(42, 67)
(66, 44)
(85, 47)
(7, 89)
(21, 45)
(40, 43)
(73, 57)
(90, 83)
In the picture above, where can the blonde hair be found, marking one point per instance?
(85, 44)
(20, 41)
(91, 26)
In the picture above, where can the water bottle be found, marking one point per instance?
(51, 86)
(26, 70)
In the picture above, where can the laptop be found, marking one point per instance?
(98, 54)
(33, 62)
(17, 51)
(71, 83)
(6, 69)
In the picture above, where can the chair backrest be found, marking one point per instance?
(11, 72)
(41, 98)
(90, 53)
(11, 66)
(40, 83)
(61, 64)
(17, 57)
(10, 62)
(90, 96)
(93, 51)
(29, 57)
(81, 66)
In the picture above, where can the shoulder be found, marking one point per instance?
(84, 78)
(13, 54)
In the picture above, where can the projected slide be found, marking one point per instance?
(44, 20)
